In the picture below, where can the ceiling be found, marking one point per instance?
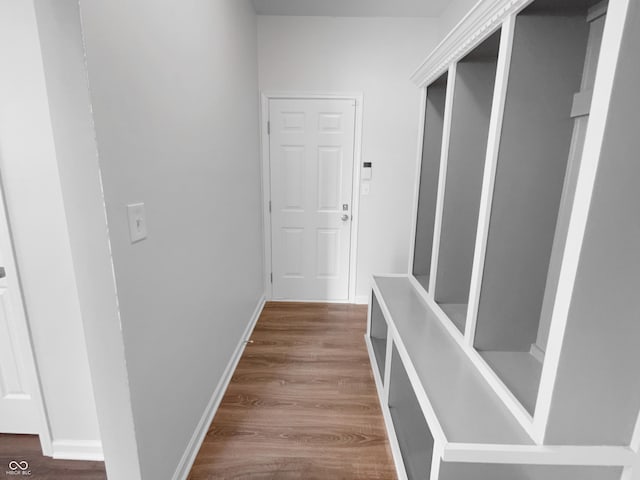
(352, 8)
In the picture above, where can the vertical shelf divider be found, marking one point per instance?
(442, 179)
(387, 368)
(416, 188)
(493, 146)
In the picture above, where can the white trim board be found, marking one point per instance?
(88, 450)
(355, 187)
(361, 300)
(199, 434)
(482, 20)
(568, 455)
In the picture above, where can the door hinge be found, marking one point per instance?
(269, 206)
(271, 277)
(268, 128)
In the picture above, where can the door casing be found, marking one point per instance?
(23, 333)
(266, 184)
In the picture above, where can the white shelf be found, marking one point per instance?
(457, 313)
(467, 409)
(520, 372)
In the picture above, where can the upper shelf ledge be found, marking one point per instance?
(481, 21)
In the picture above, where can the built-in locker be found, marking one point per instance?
(533, 192)
(471, 111)
(536, 243)
(429, 174)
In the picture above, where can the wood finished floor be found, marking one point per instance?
(302, 403)
(27, 448)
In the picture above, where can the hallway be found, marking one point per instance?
(302, 403)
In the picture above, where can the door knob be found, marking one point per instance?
(345, 217)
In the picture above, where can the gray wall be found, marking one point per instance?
(467, 150)
(546, 68)
(597, 394)
(428, 195)
(175, 101)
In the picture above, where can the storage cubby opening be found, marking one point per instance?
(412, 431)
(554, 48)
(472, 100)
(378, 335)
(429, 173)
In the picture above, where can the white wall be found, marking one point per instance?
(455, 11)
(374, 56)
(175, 100)
(35, 208)
(76, 152)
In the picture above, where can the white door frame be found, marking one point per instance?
(20, 317)
(266, 180)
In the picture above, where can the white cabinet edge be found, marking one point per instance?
(481, 21)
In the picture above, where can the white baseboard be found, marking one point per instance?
(77, 450)
(189, 456)
(362, 300)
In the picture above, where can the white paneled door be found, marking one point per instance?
(19, 406)
(311, 151)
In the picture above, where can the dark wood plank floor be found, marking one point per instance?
(302, 403)
(27, 448)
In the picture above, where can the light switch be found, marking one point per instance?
(137, 222)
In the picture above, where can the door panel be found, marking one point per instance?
(19, 412)
(311, 170)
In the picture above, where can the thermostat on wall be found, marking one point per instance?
(366, 171)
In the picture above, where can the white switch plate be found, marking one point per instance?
(137, 222)
(365, 188)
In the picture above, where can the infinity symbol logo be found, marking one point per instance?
(13, 465)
